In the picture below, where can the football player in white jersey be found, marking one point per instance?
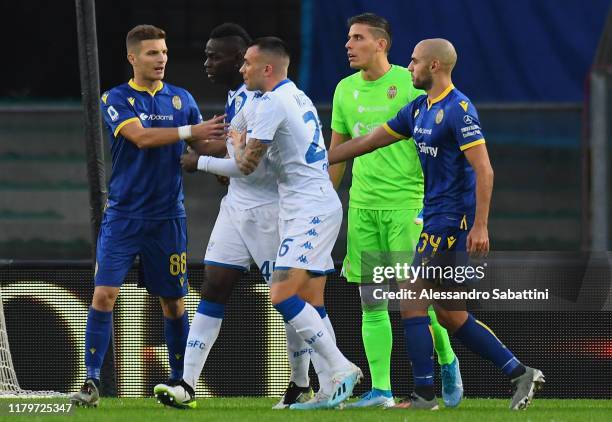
(246, 231)
(287, 131)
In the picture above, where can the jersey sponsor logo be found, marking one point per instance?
(391, 92)
(422, 131)
(176, 102)
(471, 130)
(467, 119)
(112, 113)
(151, 117)
(426, 149)
(361, 129)
(439, 116)
(131, 100)
(104, 97)
(464, 105)
(372, 109)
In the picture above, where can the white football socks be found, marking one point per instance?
(203, 333)
(312, 329)
(299, 357)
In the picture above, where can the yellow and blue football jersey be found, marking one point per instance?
(146, 183)
(442, 129)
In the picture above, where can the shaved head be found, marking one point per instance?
(439, 49)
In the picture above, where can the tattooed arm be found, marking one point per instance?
(248, 155)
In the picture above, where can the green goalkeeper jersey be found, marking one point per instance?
(389, 178)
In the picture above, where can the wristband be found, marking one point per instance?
(184, 132)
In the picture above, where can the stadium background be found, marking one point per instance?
(525, 64)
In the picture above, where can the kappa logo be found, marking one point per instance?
(312, 232)
(303, 259)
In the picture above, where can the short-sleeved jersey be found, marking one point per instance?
(287, 119)
(146, 183)
(260, 187)
(442, 129)
(388, 178)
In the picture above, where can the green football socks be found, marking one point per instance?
(442, 343)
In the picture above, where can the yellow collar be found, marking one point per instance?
(133, 84)
(440, 97)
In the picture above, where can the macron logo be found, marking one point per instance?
(425, 149)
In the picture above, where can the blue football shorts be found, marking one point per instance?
(161, 245)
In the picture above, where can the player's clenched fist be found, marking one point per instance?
(214, 128)
(189, 161)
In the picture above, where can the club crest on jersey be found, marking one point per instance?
(464, 105)
(439, 116)
(391, 92)
(176, 102)
(131, 101)
(238, 103)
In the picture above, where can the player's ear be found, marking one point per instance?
(382, 45)
(131, 58)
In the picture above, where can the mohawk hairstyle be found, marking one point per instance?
(230, 29)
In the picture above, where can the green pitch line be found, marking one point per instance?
(258, 409)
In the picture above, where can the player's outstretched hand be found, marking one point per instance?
(189, 161)
(215, 129)
(478, 241)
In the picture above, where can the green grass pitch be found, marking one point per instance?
(258, 409)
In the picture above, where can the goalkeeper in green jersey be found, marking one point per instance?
(386, 197)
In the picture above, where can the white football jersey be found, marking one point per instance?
(287, 119)
(260, 187)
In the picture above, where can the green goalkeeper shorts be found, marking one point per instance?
(378, 231)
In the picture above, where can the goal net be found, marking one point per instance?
(9, 385)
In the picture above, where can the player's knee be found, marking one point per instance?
(451, 320)
(172, 308)
(370, 299)
(104, 298)
(219, 284)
